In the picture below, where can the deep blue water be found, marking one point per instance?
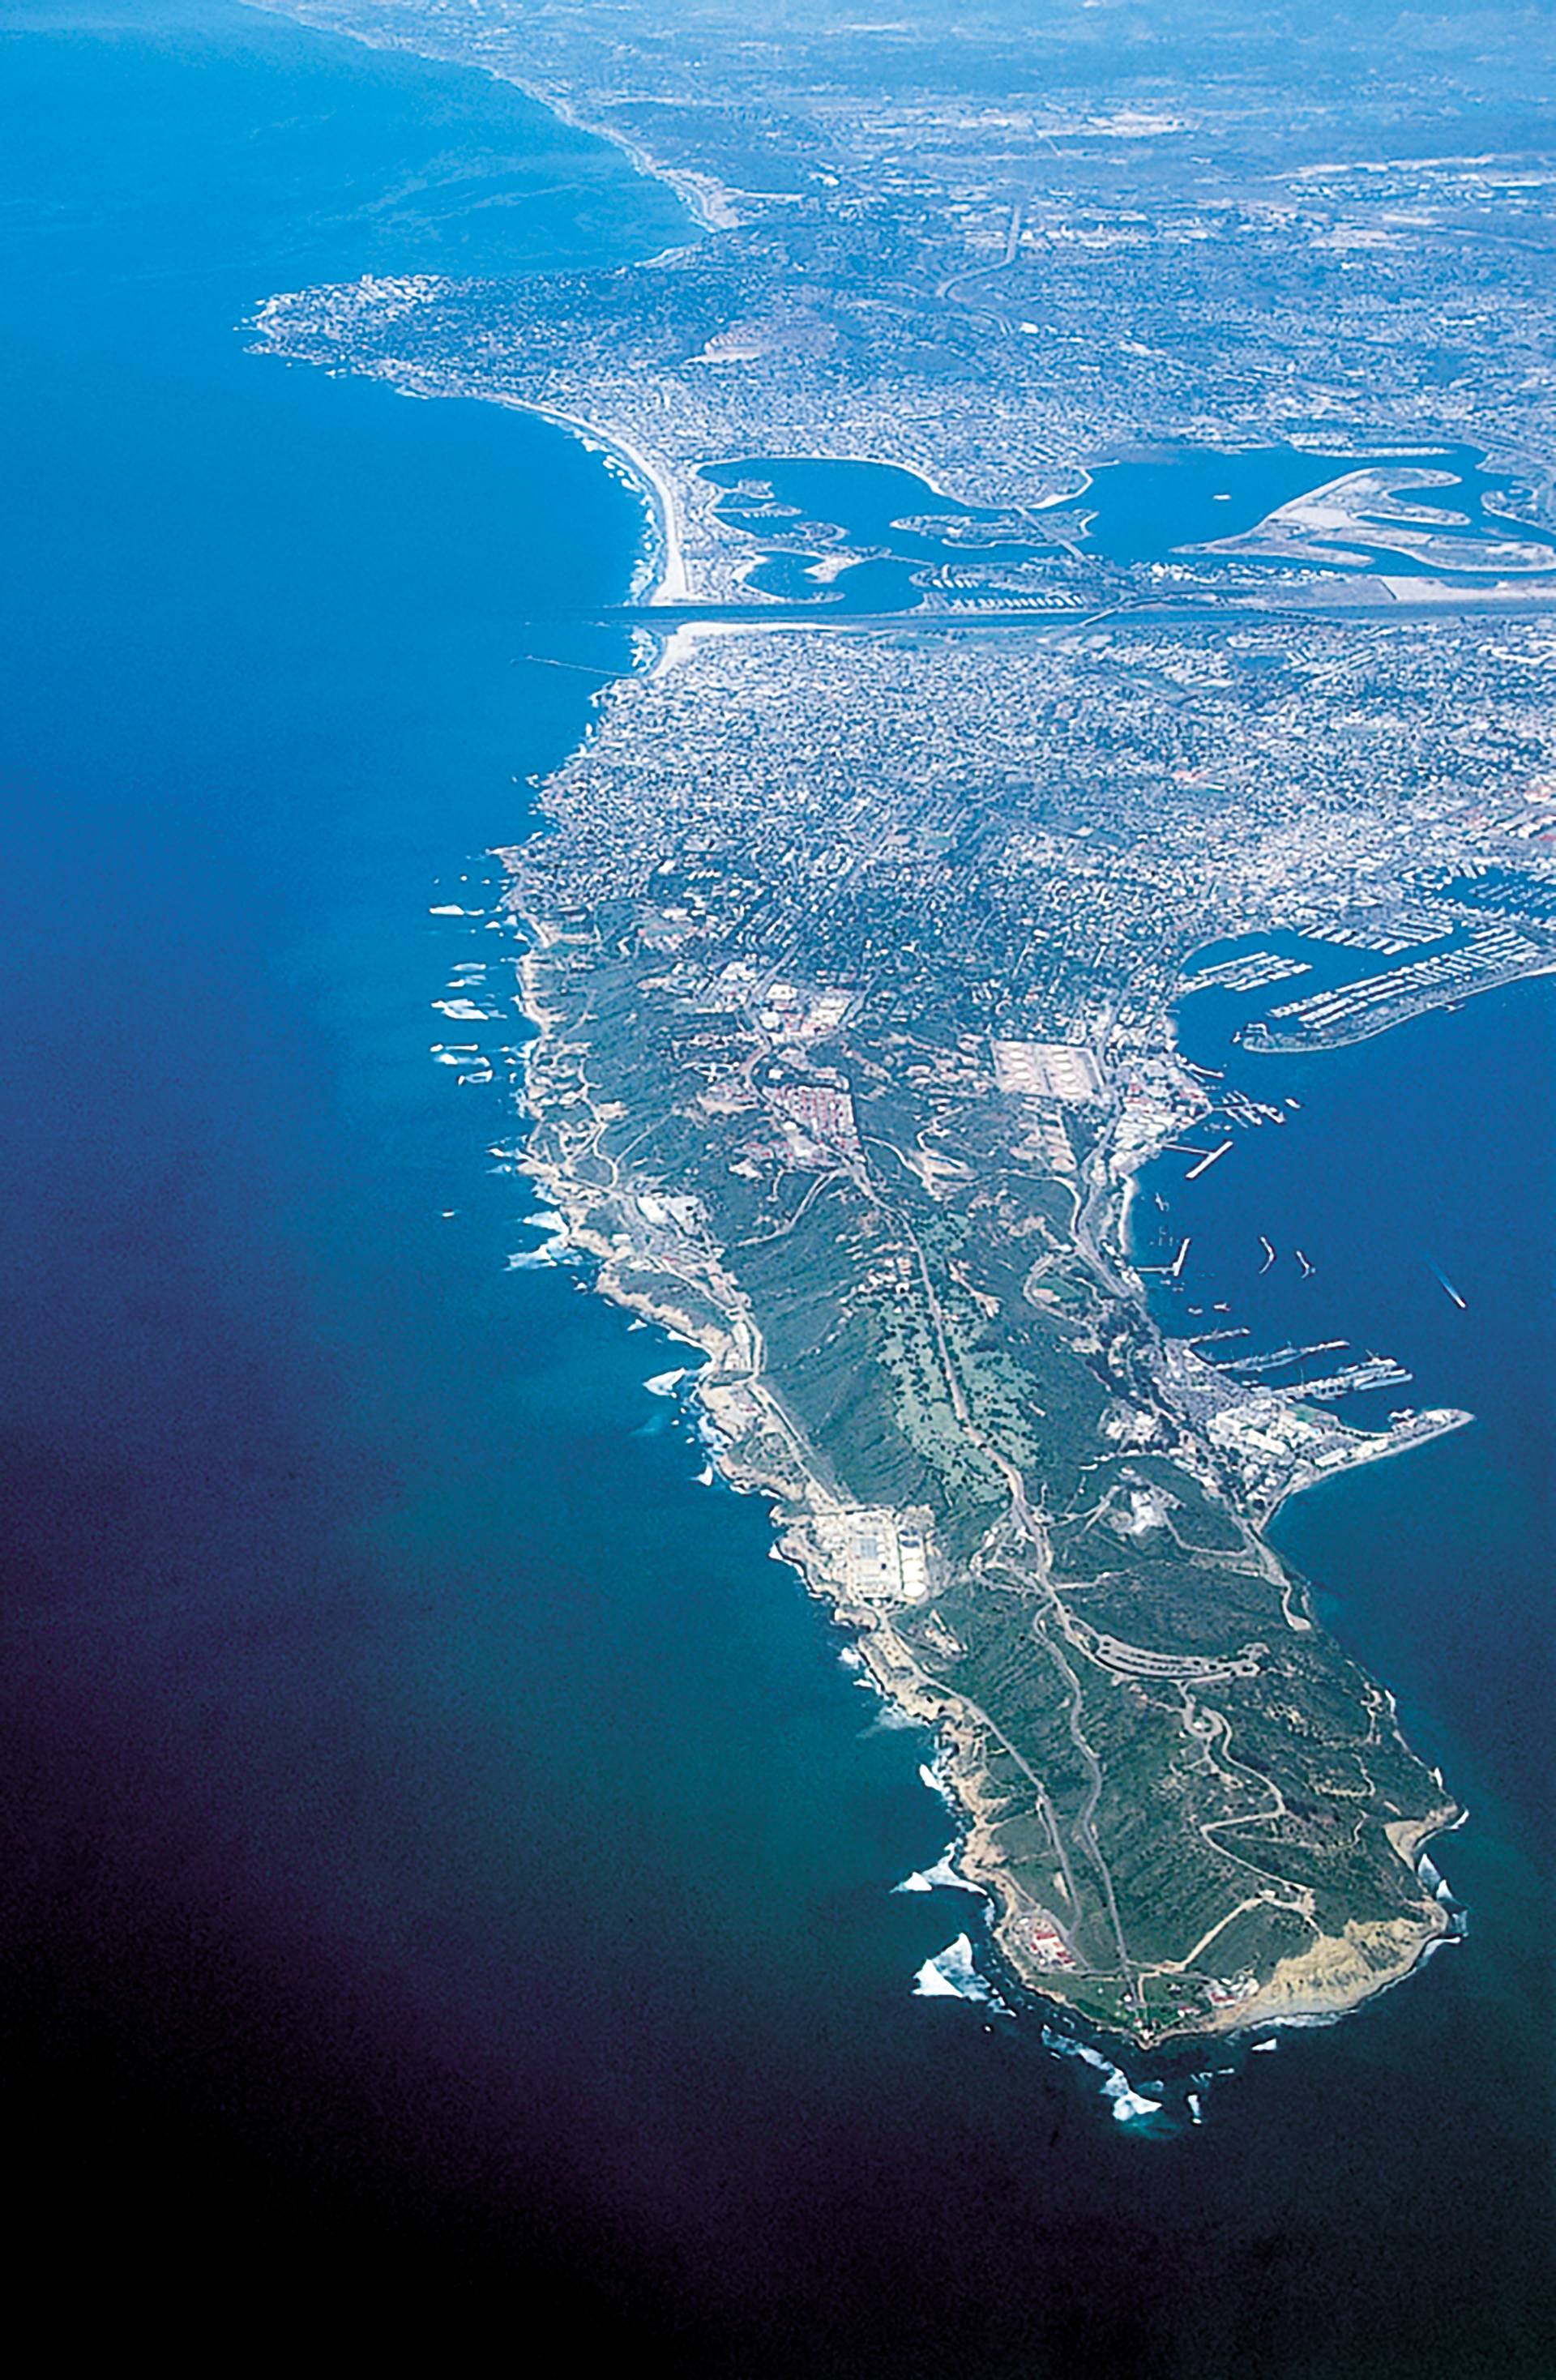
(443, 1858)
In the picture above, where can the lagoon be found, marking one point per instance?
(872, 538)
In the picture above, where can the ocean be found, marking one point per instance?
(443, 1861)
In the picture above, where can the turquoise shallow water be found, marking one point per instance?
(442, 1854)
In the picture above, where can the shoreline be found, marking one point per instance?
(1375, 1446)
(661, 570)
(1452, 996)
(695, 191)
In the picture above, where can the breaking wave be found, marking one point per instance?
(1437, 1883)
(1128, 2104)
(953, 1976)
(891, 1718)
(945, 1875)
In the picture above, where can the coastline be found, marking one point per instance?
(704, 199)
(1364, 1029)
(661, 575)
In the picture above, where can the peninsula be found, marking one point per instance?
(795, 1113)
(852, 937)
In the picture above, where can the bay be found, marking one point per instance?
(881, 536)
